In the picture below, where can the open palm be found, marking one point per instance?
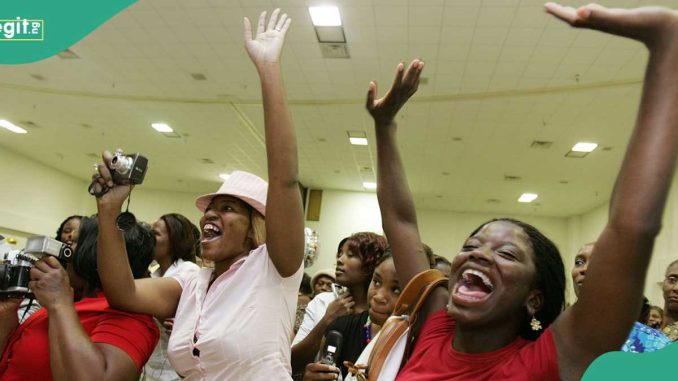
(266, 45)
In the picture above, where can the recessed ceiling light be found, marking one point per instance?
(162, 127)
(584, 147)
(224, 176)
(12, 127)
(325, 16)
(369, 185)
(528, 197)
(357, 138)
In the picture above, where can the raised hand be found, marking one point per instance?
(651, 25)
(266, 46)
(384, 109)
(339, 307)
(116, 194)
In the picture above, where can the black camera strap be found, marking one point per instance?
(126, 220)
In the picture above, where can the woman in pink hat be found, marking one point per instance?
(233, 322)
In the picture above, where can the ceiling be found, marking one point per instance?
(500, 75)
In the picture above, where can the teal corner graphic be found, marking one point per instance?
(619, 366)
(35, 30)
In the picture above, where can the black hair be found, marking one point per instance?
(440, 259)
(63, 223)
(139, 242)
(387, 254)
(305, 286)
(182, 237)
(550, 277)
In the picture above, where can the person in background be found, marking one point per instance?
(323, 280)
(175, 251)
(670, 289)
(68, 231)
(356, 260)
(357, 330)
(642, 338)
(304, 297)
(78, 338)
(655, 317)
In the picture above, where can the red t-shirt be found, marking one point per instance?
(435, 359)
(26, 355)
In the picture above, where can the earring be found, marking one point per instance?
(535, 324)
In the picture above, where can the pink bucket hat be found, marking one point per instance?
(249, 188)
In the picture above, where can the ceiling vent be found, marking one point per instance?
(541, 144)
(334, 50)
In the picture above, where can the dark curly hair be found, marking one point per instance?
(139, 242)
(550, 276)
(369, 247)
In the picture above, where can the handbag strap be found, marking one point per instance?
(409, 303)
(412, 293)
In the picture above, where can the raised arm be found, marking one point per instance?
(616, 274)
(284, 213)
(154, 296)
(398, 216)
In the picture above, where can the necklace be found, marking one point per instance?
(368, 330)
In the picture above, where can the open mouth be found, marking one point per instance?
(473, 286)
(210, 233)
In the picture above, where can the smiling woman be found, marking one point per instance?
(233, 322)
(502, 317)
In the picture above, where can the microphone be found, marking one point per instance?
(332, 348)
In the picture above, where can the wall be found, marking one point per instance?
(343, 213)
(34, 199)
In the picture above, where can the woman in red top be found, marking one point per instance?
(508, 279)
(82, 339)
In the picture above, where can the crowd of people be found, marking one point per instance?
(104, 315)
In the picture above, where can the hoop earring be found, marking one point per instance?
(535, 324)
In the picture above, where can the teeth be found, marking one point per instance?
(210, 227)
(483, 277)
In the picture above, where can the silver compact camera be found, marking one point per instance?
(128, 168)
(16, 267)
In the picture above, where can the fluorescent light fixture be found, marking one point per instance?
(584, 147)
(369, 185)
(357, 138)
(325, 16)
(358, 141)
(224, 176)
(528, 197)
(11, 127)
(162, 127)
